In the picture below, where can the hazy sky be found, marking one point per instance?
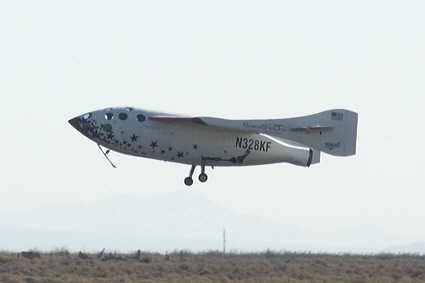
(229, 59)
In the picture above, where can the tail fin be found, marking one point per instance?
(333, 131)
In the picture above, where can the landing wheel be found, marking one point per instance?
(188, 181)
(203, 177)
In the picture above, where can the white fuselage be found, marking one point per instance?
(135, 132)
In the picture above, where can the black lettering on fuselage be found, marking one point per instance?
(253, 144)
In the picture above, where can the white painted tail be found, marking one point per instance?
(333, 131)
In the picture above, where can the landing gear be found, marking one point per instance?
(188, 181)
(203, 177)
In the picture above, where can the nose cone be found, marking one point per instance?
(74, 122)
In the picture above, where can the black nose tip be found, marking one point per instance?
(74, 123)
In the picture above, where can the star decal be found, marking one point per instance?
(154, 144)
(110, 136)
(170, 148)
(195, 146)
(162, 151)
(95, 134)
(180, 154)
(134, 138)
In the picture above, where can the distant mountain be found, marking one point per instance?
(414, 248)
(179, 220)
(20, 239)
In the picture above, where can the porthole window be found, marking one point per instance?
(107, 128)
(109, 116)
(123, 116)
(86, 116)
(141, 118)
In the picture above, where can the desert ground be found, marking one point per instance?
(212, 266)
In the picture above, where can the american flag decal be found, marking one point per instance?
(337, 116)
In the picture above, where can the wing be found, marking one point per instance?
(178, 120)
(248, 126)
(214, 124)
(260, 126)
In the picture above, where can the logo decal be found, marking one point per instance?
(332, 145)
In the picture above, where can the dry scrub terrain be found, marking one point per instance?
(60, 266)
